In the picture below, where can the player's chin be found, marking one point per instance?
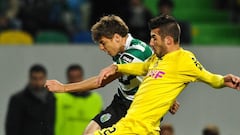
(112, 54)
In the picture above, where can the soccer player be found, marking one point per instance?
(112, 35)
(166, 73)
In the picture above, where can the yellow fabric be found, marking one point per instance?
(164, 81)
(128, 126)
(15, 37)
(73, 113)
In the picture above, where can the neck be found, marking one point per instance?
(123, 43)
(173, 48)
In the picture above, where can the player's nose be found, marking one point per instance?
(101, 47)
(151, 43)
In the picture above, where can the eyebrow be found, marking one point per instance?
(153, 35)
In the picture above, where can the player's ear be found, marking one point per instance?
(117, 37)
(168, 40)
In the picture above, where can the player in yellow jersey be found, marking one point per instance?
(167, 73)
(112, 35)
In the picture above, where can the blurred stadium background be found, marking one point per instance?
(56, 34)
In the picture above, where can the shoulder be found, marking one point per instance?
(18, 95)
(96, 95)
(138, 50)
(186, 54)
(63, 97)
(139, 45)
(18, 98)
(189, 59)
(60, 95)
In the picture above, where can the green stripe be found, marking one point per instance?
(139, 54)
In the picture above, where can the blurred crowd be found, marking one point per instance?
(71, 17)
(209, 129)
(33, 110)
(74, 18)
(233, 6)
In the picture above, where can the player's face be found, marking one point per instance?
(75, 76)
(110, 46)
(37, 80)
(157, 44)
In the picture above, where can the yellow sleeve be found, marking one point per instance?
(138, 69)
(199, 73)
(215, 80)
(132, 69)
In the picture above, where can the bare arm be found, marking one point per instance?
(86, 85)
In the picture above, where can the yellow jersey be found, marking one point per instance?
(165, 78)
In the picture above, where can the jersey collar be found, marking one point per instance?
(172, 53)
(128, 41)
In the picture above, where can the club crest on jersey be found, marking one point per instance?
(155, 74)
(127, 58)
(105, 117)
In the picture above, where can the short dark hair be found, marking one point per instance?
(38, 68)
(107, 26)
(168, 127)
(168, 3)
(211, 130)
(74, 67)
(167, 25)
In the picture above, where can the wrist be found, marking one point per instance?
(64, 88)
(115, 67)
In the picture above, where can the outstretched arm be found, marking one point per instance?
(86, 85)
(195, 69)
(139, 69)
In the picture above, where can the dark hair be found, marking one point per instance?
(107, 26)
(74, 67)
(168, 3)
(211, 130)
(168, 26)
(38, 68)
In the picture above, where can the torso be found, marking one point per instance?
(135, 51)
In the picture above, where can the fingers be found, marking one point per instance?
(101, 77)
(236, 82)
(174, 107)
(53, 86)
(232, 81)
(105, 73)
(235, 79)
(49, 82)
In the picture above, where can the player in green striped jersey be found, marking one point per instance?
(113, 37)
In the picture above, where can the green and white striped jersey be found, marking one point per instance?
(135, 51)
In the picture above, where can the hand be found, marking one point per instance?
(106, 72)
(54, 86)
(232, 81)
(174, 108)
